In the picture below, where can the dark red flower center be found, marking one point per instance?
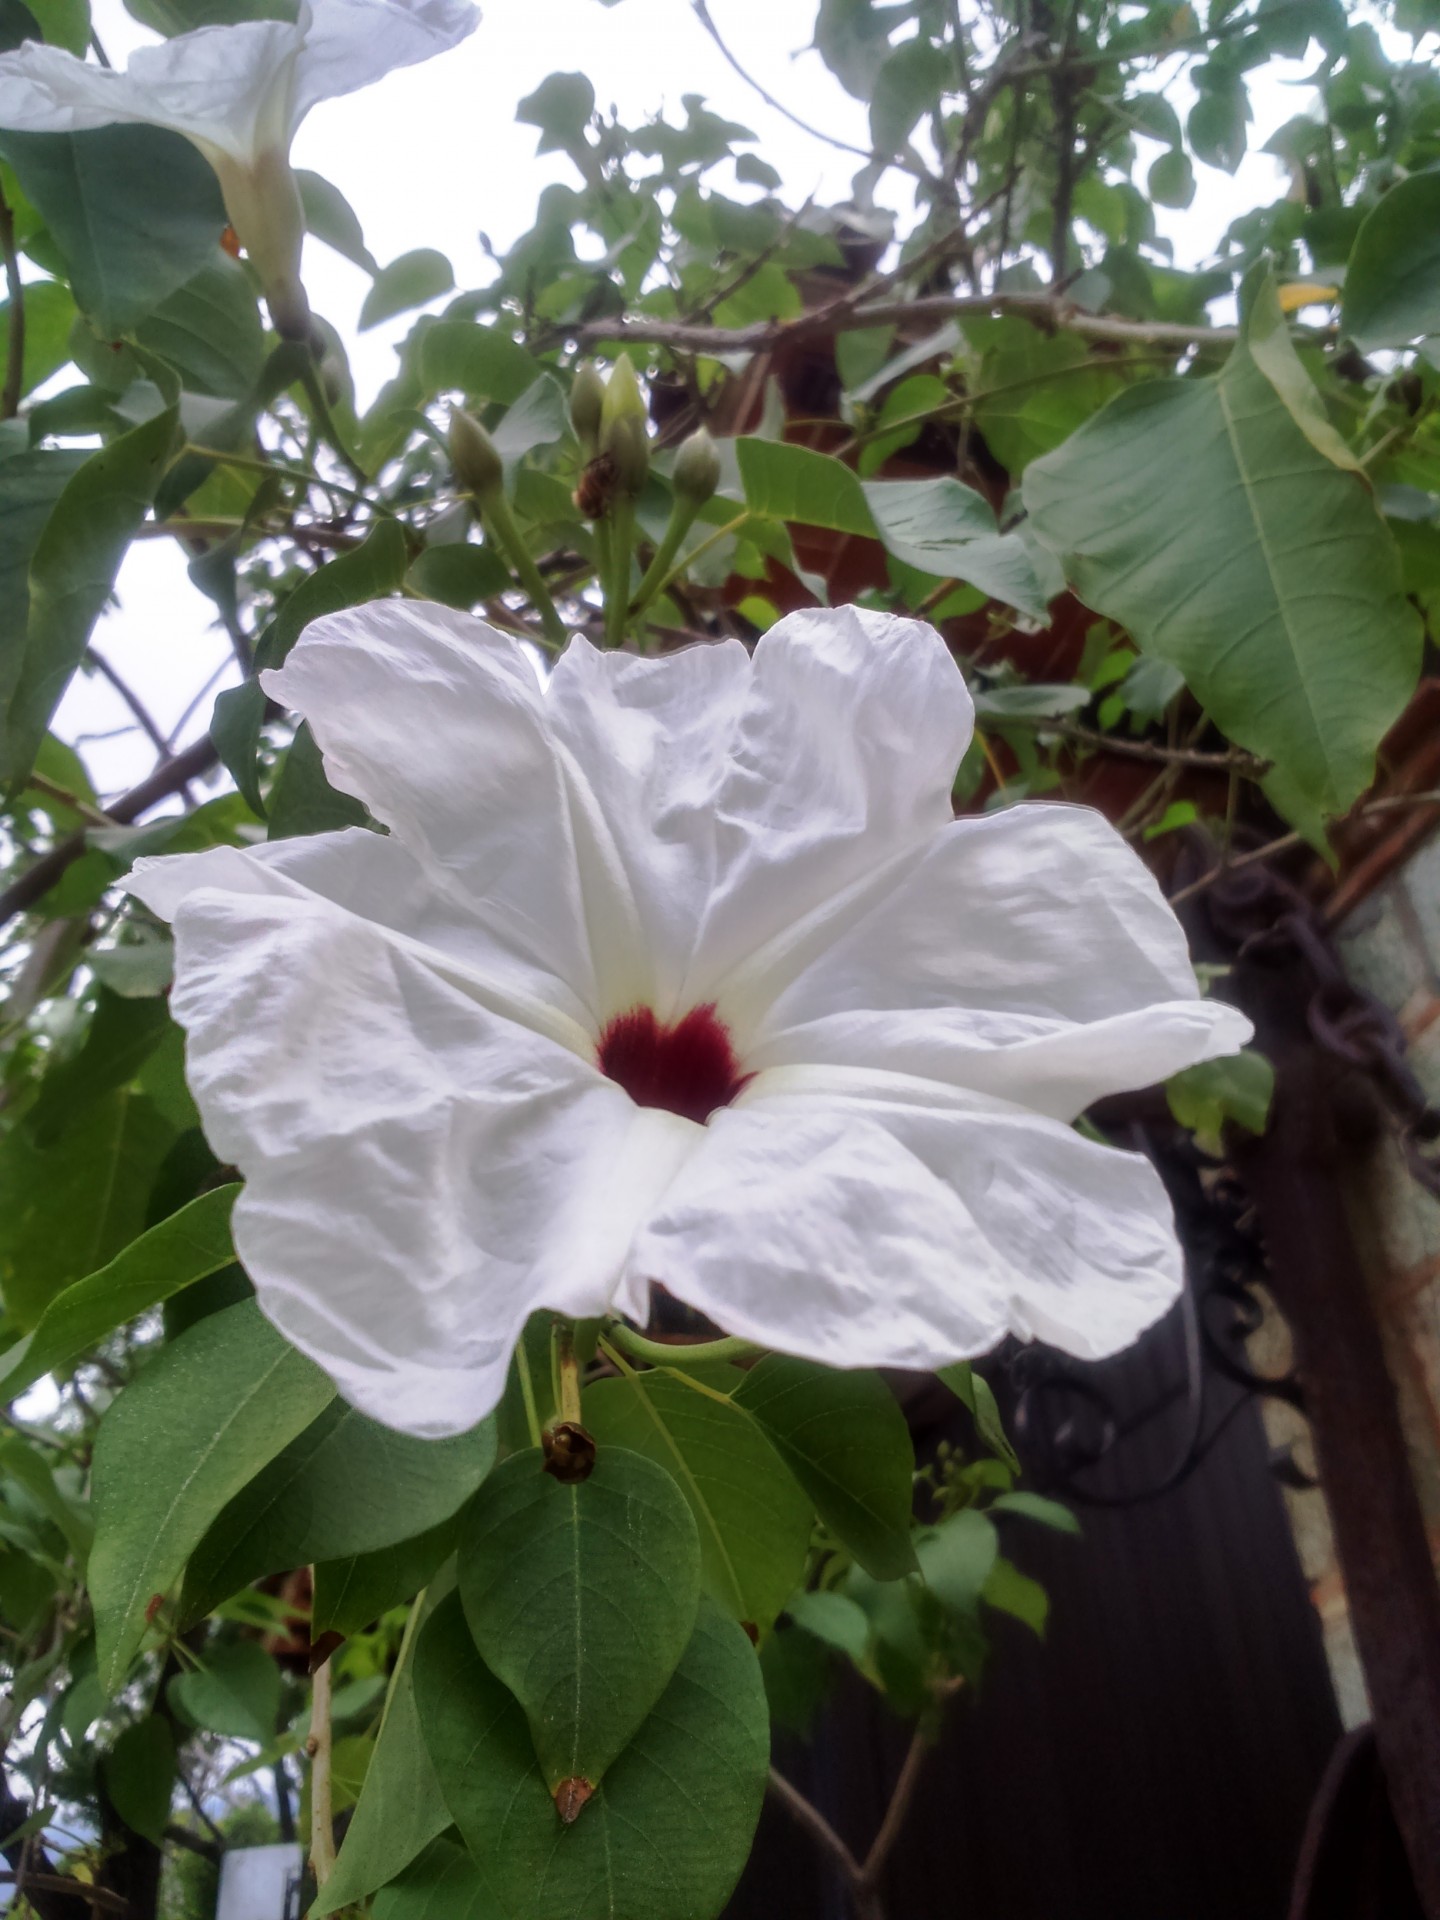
(689, 1069)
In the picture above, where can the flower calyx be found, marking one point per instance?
(569, 1452)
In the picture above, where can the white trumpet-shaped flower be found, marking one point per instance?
(239, 93)
(674, 972)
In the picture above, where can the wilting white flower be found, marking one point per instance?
(677, 971)
(239, 93)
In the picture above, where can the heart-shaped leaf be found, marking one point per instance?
(664, 1835)
(581, 1599)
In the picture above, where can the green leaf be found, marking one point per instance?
(1034, 1506)
(443, 1884)
(1238, 1088)
(537, 419)
(30, 486)
(352, 1592)
(1017, 1594)
(68, 1208)
(1172, 180)
(303, 800)
(846, 1442)
(935, 525)
(23, 1464)
(411, 281)
(139, 1775)
(480, 362)
(49, 316)
(1035, 390)
(344, 1486)
(1216, 127)
(331, 218)
(581, 1599)
(198, 1424)
(946, 529)
(666, 1832)
(210, 331)
(135, 211)
(911, 82)
(72, 572)
(64, 23)
(121, 1037)
(400, 1809)
(1392, 284)
(976, 1392)
(957, 1559)
(754, 1522)
(460, 574)
(834, 1619)
(189, 1245)
(561, 106)
(235, 1692)
(1222, 521)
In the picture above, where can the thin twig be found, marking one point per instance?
(15, 293)
(54, 791)
(1232, 760)
(148, 724)
(168, 779)
(816, 1825)
(1388, 803)
(322, 1820)
(899, 1807)
(1043, 310)
(702, 14)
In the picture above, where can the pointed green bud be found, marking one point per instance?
(587, 399)
(478, 467)
(625, 427)
(697, 468)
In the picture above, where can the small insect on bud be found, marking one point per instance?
(697, 468)
(477, 465)
(587, 399)
(624, 427)
(597, 487)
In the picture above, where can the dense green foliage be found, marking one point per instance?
(1009, 409)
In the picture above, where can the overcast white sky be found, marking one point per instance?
(432, 155)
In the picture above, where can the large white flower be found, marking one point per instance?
(677, 971)
(239, 93)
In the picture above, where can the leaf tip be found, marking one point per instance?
(570, 1798)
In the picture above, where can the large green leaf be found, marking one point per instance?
(67, 1208)
(400, 1809)
(581, 1597)
(935, 525)
(210, 331)
(121, 1036)
(72, 572)
(139, 1775)
(30, 485)
(443, 1884)
(135, 211)
(203, 1418)
(1223, 522)
(190, 1245)
(754, 1521)
(352, 1592)
(1392, 284)
(235, 1690)
(346, 1485)
(667, 1831)
(846, 1442)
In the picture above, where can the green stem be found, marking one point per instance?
(567, 1370)
(495, 509)
(315, 388)
(527, 1393)
(682, 518)
(730, 526)
(617, 593)
(660, 1353)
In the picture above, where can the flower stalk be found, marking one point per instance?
(696, 476)
(481, 472)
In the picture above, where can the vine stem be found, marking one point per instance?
(567, 1368)
(664, 1353)
(15, 293)
(322, 1821)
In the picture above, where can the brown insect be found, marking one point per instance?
(597, 487)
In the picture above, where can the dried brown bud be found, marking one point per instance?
(569, 1452)
(570, 1797)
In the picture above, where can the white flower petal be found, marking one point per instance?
(225, 87)
(1028, 954)
(373, 876)
(438, 724)
(420, 1174)
(350, 43)
(900, 1226)
(842, 760)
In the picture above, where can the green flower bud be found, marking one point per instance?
(696, 473)
(587, 399)
(625, 427)
(477, 465)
